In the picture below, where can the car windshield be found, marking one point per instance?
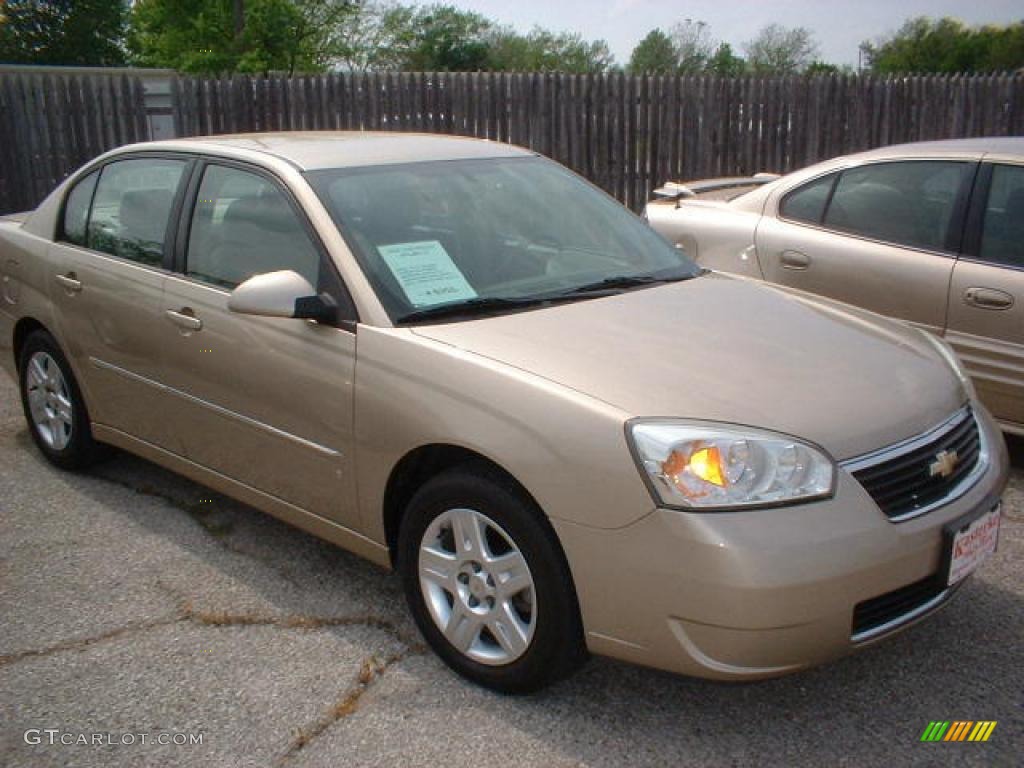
(475, 236)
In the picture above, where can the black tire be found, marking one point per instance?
(81, 450)
(556, 648)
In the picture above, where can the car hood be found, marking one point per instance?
(731, 350)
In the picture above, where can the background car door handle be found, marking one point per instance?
(185, 318)
(988, 298)
(794, 260)
(70, 282)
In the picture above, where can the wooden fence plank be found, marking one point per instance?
(72, 102)
(57, 150)
(42, 155)
(615, 129)
(91, 128)
(11, 180)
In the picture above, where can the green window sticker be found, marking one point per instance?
(426, 273)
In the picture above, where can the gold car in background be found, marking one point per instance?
(932, 233)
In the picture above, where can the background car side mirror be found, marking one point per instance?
(282, 294)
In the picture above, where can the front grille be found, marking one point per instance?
(902, 482)
(879, 614)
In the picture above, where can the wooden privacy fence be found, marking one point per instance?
(627, 134)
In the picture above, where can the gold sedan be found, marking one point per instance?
(459, 360)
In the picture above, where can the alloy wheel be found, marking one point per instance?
(49, 401)
(477, 586)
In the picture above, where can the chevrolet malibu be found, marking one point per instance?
(459, 360)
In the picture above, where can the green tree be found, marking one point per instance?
(436, 37)
(67, 32)
(209, 36)
(924, 45)
(686, 48)
(654, 55)
(779, 50)
(726, 63)
(187, 35)
(542, 50)
(317, 34)
(1003, 48)
(375, 36)
(819, 67)
(444, 38)
(692, 41)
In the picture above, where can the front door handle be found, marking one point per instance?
(988, 298)
(70, 282)
(185, 319)
(794, 260)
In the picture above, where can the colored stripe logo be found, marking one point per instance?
(959, 730)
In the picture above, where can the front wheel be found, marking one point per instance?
(487, 582)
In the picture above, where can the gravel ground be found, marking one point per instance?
(135, 602)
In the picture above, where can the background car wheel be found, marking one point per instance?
(487, 582)
(53, 405)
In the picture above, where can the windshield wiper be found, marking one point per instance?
(483, 304)
(478, 305)
(631, 281)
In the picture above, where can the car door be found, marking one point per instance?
(882, 236)
(264, 401)
(986, 305)
(111, 255)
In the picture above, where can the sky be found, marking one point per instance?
(838, 27)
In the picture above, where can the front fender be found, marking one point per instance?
(566, 449)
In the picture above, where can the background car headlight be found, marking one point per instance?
(709, 466)
(943, 348)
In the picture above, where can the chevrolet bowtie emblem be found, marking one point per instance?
(944, 464)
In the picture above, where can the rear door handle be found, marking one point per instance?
(70, 282)
(794, 260)
(185, 319)
(988, 298)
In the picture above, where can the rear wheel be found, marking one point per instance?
(487, 583)
(53, 405)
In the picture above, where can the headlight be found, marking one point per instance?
(713, 466)
(943, 348)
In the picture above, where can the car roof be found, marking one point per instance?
(316, 150)
(1008, 145)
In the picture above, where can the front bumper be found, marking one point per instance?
(759, 593)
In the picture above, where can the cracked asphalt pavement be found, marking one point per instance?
(133, 601)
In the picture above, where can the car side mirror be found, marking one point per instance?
(282, 294)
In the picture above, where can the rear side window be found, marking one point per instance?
(76, 209)
(131, 207)
(1002, 236)
(907, 203)
(242, 226)
(808, 202)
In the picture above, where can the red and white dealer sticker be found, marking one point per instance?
(973, 545)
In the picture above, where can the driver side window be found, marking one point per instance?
(243, 225)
